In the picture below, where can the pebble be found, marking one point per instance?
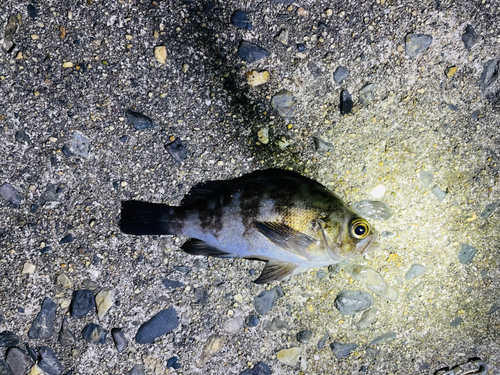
(346, 103)
(285, 103)
(50, 363)
(82, 303)
(415, 44)
(438, 193)
(5, 368)
(232, 326)
(43, 325)
(104, 300)
(489, 209)
(489, 74)
(274, 325)
(252, 321)
(22, 137)
(320, 274)
(373, 210)
(322, 341)
(304, 336)
(8, 339)
(469, 37)
(138, 120)
(182, 269)
(340, 74)
(315, 70)
(35, 370)
(66, 336)
(426, 178)
(450, 71)
(283, 37)
(119, 338)
(177, 150)
(414, 271)
(173, 363)
(378, 191)
(494, 308)
(466, 253)
(452, 107)
(66, 151)
(289, 357)
(94, 333)
(27, 268)
(137, 370)
(240, 19)
(80, 145)
(160, 54)
(366, 95)
(213, 345)
(456, 322)
(323, 146)
(386, 337)
(172, 284)
(367, 319)
(349, 302)
(201, 295)
(67, 239)
(49, 195)
(256, 78)
(18, 360)
(259, 369)
(10, 195)
(64, 281)
(373, 280)
(32, 11)
(342, 350)
(263, 136)
(162, 323)
(250, 52)
(265, 301)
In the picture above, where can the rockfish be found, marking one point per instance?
(277, 216)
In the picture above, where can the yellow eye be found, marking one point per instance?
(360, 228)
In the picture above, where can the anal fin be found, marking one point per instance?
(275, 270)
(194, 246)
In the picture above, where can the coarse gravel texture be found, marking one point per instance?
(71, 71)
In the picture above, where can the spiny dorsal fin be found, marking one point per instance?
(285, 237)
(198, 247)
(275, 270)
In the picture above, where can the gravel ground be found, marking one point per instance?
(69, 71)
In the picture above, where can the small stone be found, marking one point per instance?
(466, 253)
(322, 341)
(346, 103)
(373, 280)
(22, 137)
(450, 71)
(64, 281)
(315, 70)
(378, 191)
(342, 350)
(80, 145)
(182, 269)
(5, 368)
(340, 74)
(366, 94)
(138, 120)
(255, 78)
(173, 363)
(304, 336)
(250, 52)
(456, 322)
(18, 360)
(8, 339)
(367, 319)
(373, 210)
(136, 370)
(233, 326)
(323, 146)
(32, 11)
(177, 150)
(414, 271)
(301, 12)
(67, 64)
(452, 107)
(349, 302)
(82, 303)
(494, 308)
(283, 37)
(160, 53)
(438, 193)
(386, 337)
(213, 345)
(285, 103)
(34, 370)
(66, 336)
(93, 333)
(201, 295)
(489, 209)
(469, 37)
(489, 74)
(10, 195)
(263, 136)
(240, 19)
(426, 178)
(320, 274)
(49, 195)
(119, 338)
(288, 357)
(50, 363)
(104, 300)
(259, 369)
(172, 284)
(27, 268)
(160, 324)
(415, 44)
(275, 325)
(265, 301)
(66, 239)
(252, 321)
(43, 325)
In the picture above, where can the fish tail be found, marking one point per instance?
(143, 218)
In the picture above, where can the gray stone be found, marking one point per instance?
(177, 150)
(43, 325)
(259, 369)
(489, 209)
(138, 120)
(240, 19)
(438, 193)
(320, 274)
(82, 303)
(18, 360)
(341, 350)
(338, 267)
(415, 44)
(456, 322)
(265, 301)
(250, 52)
(252, 321)
(322, 145)
(49, 195)
(304, 336)
(8, 339)
(340, 74)
(80, 145)
(426, 178)
(322, 341)
(201, 295)
(373, 210)
(119, 338)
(232, 326)
(414, 271)
(494, 308)
(367, 319)
(469, 37)
(349, 302)
(50, 363)
(466, 253)
(386, 337)
(366, 95)
(346, 103)
(93, 333)
(275, 325)
(173, 363)
(66, 336)
(162, 323)
(5, 368)
(172, 284)
(136, 370)
(489, 74)
(285, 103)
(22, 137)
(452, 107)
(10, 195)
(373, 280)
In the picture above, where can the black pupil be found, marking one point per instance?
(360, 230)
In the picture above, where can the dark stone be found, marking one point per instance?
(66, 239)
(177, 150)
(49, 195)
(259, 369)
(82, 303)
(304, 336)
(45, 249)
(322, 341)
(323, 146)
(171, 284)
(340, 74)
(349, 302)
(373, 210)
(489, 74)
(32, 11)
(469, 37)
(22, 137)
(250, 52)
(66, 336)
(5, 368)
(201, 296)
(173, 363)
(119, 338)
(301, 48)
(162, 323)
(50, 363)
(8, 339)
(31, 352)
(466, 253)
(452, 107)
(138, 120)
(137, 370)
(124, 138)
(43, 325)
(265, 301)
(18, 360)
(94, 333)
(182, 269)
(489, 209)
(240, 19)
(415, 44)
(456, 322)
(33, 208)
(10, 195)
(342, 350)
(345, 102)
(252, 321)
(66, 151)
(285, 103)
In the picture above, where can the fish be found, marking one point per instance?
(277, 216)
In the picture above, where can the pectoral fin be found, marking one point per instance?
(275, 270)
(285, 237)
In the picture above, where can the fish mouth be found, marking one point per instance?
(370, 246)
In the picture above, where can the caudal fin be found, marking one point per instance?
(143, 218)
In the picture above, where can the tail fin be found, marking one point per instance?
(143, 218)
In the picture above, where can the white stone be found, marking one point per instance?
(28, 268)
(378, 191)
(289, 357)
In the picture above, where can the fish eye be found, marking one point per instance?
(360, 228)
